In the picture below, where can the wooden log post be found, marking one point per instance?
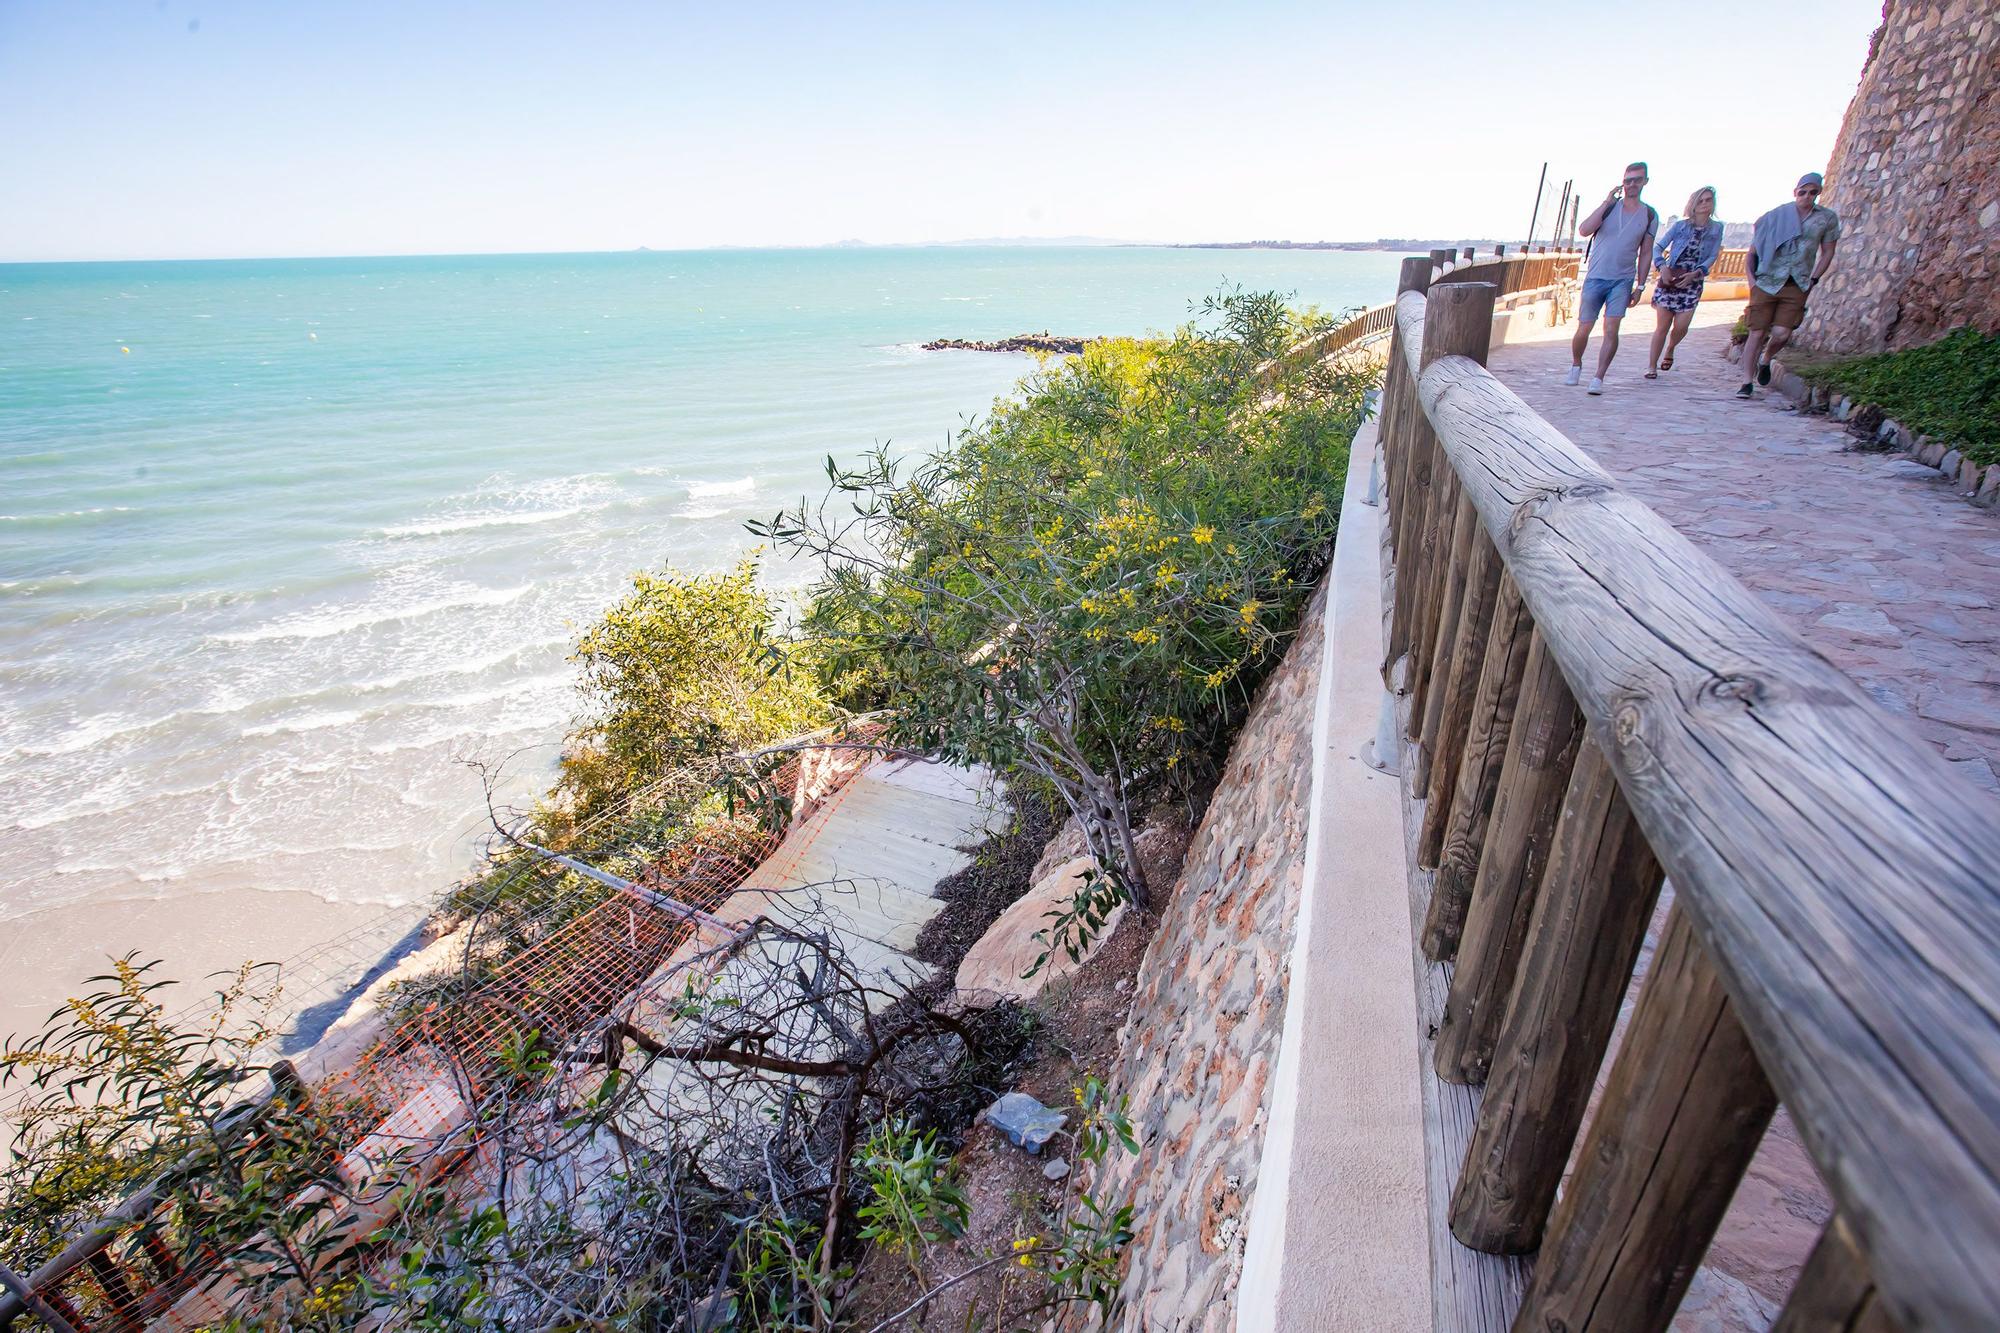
(1458, 321)
(1836, 1292)
(1443, 577)
(1408, 482)
(1685, 1108)
(1399, 390)
(1455, 550)
(1502, 665)
(1469, 253)
(1583, 938)
(1535, 771)
(1448, 713)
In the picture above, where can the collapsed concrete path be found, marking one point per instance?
(1873, 559)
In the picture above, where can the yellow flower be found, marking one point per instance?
(1203, 534)
(1142, 637)
(1165, 575)
(1249, 611)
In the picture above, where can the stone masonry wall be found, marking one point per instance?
(1915, 175)
(1199, 1047)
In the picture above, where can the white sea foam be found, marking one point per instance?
(325, 626)
(712, 490)
(310, 722)
(469, 522)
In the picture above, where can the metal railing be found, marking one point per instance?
(1596, 707)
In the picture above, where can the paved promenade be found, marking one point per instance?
(1873, 559)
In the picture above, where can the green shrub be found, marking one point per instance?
(1948, 389)
(685, 667)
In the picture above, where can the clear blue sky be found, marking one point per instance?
(190, 128)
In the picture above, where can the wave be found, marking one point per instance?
(712, 490)
(61, 515)
(440, 527)
(310, 722)
(327, 626)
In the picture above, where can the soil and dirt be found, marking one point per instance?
(1072, 1032)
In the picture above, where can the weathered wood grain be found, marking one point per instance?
(1683, 1112)
(1463, 666)
(1845, 881)
(1541, 751)
(1583, 939)
(1503, 666)
(1836, 1292)
(1438, 613)
(1457, 321)
(1470, 1292)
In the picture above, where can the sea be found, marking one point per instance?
(293, 553)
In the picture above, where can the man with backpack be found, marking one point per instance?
(1621, 255)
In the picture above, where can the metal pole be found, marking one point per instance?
(671, 905)
(1536, 216)
(1562, 208)
(38, 1307)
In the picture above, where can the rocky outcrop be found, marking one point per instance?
(1020, 342)
(995, 968)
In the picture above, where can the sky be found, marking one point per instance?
(206, 129)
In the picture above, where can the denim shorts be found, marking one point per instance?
(1609, 295)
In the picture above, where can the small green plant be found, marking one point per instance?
(119, 1093)
(1073, 926)
(914, 1199)
(1080, 1257)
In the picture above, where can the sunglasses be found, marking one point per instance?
(1809, 190)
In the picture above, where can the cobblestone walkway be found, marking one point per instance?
(1872, 558)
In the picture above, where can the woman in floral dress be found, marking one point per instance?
(1685, 253)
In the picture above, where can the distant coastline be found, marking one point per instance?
(1401, 243)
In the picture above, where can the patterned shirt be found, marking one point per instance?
(1794, 259)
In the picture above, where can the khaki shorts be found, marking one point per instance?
(1785, 308)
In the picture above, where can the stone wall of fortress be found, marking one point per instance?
(1915, 175)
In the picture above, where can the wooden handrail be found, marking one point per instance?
(1840, 879)
(1512, 273)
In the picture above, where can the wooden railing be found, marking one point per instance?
(1597, 707)
(1541, 272)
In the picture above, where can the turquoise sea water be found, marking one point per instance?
(282, 543)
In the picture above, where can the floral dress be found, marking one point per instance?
(1678, 299)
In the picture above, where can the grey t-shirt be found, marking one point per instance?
(1614, 250)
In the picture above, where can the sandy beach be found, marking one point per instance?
(328, 947)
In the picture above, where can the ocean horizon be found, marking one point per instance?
(289, 549)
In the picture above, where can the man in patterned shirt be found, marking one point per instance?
(1790, 250)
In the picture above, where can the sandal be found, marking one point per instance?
(1667, 361)
(1652, 374)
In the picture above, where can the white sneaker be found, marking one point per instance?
(1575, 374)
(1596, 386)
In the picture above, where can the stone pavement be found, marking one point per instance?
(1872, 558)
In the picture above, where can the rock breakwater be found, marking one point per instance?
(1020, 342)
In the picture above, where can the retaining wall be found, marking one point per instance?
(1200, 1045)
